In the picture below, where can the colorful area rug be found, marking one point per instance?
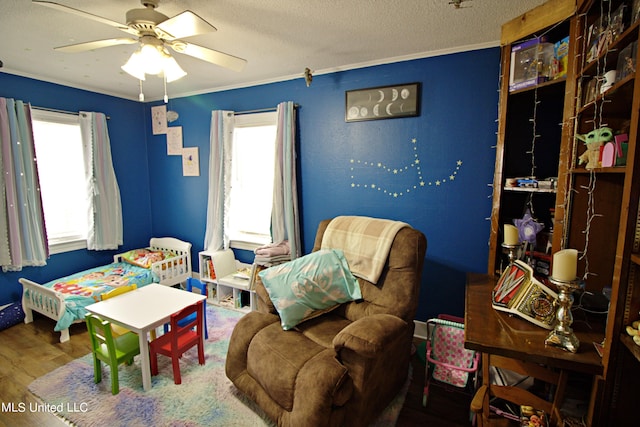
(206, 397)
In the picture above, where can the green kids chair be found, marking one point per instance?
(111, 351)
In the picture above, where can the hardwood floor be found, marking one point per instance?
(30, 351)
(26, 353)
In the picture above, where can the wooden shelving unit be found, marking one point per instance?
(611, 195)
(596, 210)
(517, 131)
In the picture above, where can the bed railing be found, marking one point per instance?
(45, 301)
(171, 271)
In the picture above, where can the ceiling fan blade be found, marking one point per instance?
(82, 47)
(185, 24)
(87, 15)
(209, 55)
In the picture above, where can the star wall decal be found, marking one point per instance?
(411, 167)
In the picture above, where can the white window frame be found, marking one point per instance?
(70, 242)
(248, 241)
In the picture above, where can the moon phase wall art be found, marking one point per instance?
(384, 102)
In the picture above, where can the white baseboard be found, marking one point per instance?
(420, 331)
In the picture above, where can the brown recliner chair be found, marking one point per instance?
(339, 369)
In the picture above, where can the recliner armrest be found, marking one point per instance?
(370, 335)
(264, 301)
(242, 335)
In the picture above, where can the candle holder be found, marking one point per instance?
(512, 251)
(562, 335)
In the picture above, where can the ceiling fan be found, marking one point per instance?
(152, 28)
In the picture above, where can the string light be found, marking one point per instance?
(598, 122)
(532, 151)
(534, 133)
(493, 230)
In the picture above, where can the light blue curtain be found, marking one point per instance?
(23, 238)
(221, 139)
(105, 208)
(285, 224)
(284, 216)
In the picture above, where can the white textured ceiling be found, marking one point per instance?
(278, 38)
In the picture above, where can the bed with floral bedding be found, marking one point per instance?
(166, 261)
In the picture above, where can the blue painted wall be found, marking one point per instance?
(338, 161)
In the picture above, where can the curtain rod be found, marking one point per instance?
(54, 110)
(260, 110)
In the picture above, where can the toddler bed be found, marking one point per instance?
(166, 261)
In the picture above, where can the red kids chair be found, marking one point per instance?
(179, 339)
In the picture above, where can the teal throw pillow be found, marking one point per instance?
(310, 285)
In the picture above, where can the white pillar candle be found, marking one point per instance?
(565, 265)
(511, 235)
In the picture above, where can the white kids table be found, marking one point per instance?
(143, 310)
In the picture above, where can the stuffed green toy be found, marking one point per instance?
(593, 141)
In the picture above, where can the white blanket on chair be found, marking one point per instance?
(365, 242)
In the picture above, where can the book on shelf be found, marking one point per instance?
(519, 292)
(211, 273)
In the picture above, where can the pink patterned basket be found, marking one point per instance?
(448, 347)
(452, 362)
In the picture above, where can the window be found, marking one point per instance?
(252, 169)
(58, 145)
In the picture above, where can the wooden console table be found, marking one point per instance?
(495, 333)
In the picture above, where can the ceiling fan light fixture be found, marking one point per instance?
(153, 58)
(173, 71)
(135, 66)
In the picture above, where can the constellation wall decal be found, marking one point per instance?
(384, 184)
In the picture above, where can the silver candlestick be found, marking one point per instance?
(562, 335)
(512, 251)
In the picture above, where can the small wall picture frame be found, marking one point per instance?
(159, 119)
(174, 140)
(190, 162)
(383, 102)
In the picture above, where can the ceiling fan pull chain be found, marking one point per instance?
(141, 96)
(166, 98)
